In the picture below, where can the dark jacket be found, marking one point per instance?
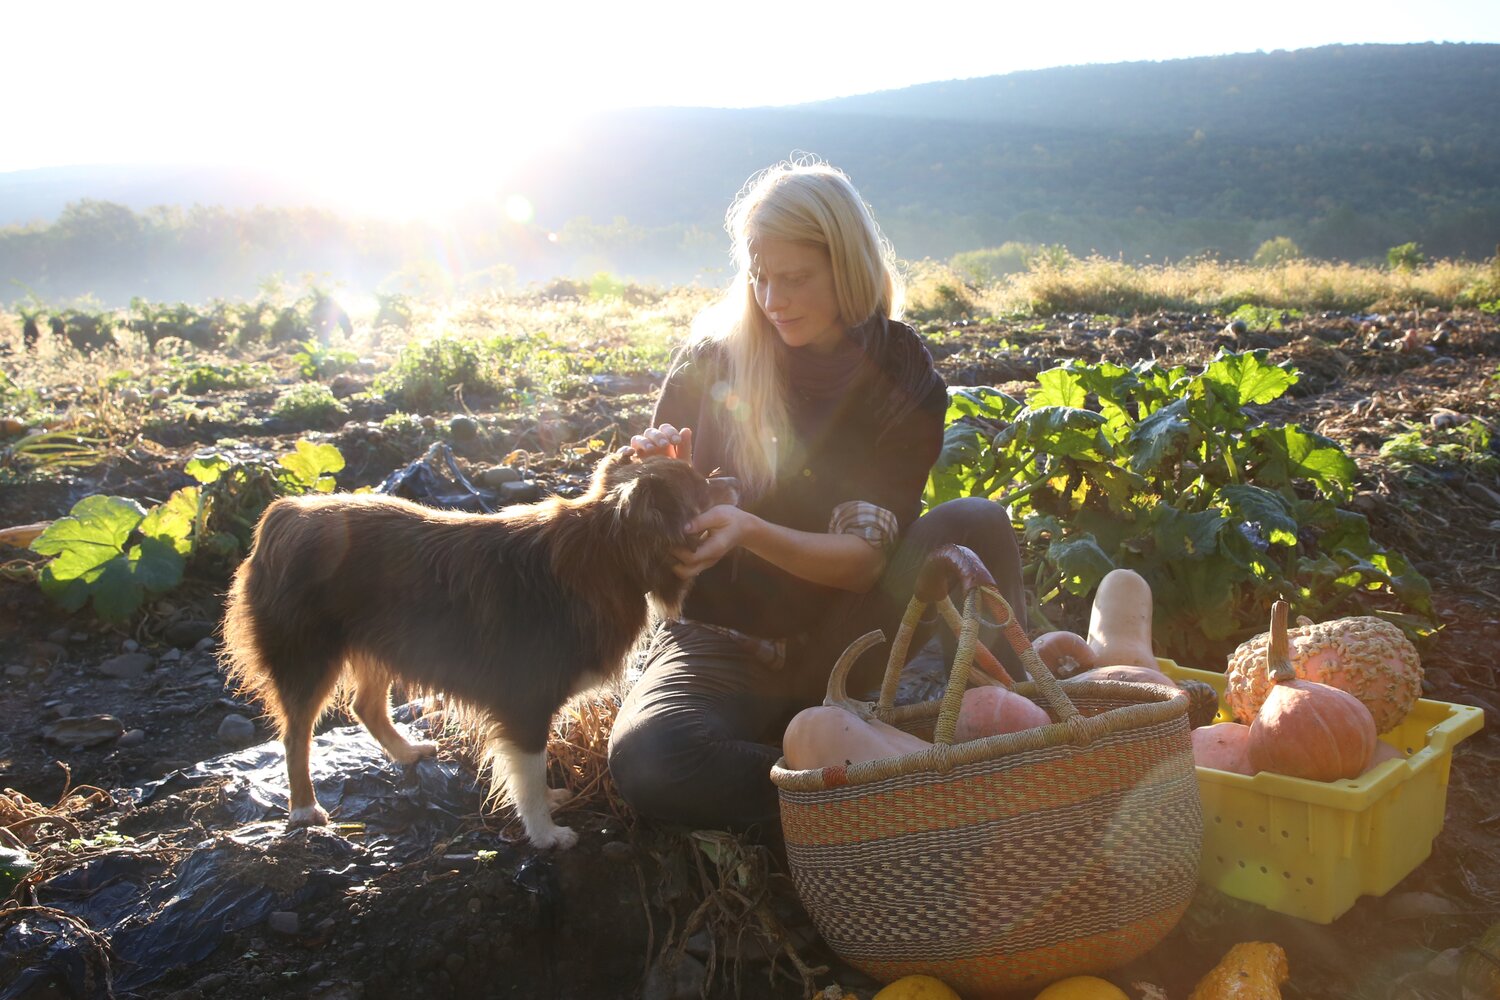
(876, 442)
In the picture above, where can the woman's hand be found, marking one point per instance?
(723, 529)
(664, 440)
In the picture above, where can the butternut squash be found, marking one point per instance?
(1120, 621)
(828, 735)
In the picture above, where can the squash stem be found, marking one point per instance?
(1278, 662)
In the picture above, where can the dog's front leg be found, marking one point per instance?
(525, 776)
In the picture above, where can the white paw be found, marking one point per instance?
(557, 797)
(415, 752)
(313, 815)
(559, 837)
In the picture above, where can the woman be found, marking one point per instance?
(803, 383)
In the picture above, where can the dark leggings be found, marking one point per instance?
(696, 737)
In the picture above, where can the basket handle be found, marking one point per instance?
(946, 566)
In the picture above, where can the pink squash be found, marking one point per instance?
(991, 711)
(1224, 746)
(1383, 752)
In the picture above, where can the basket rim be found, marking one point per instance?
(1154, 704)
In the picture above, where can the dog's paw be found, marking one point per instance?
(558, 837)
(307, 816)
(556, 797)
(415, 752)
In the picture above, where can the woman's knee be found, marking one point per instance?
(970, 516)
(642, 760)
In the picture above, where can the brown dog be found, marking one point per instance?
(507, 614)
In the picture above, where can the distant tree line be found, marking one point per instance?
(1345, 151)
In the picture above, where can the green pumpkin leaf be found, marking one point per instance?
(1293, 453)
(1242, 379)
(70, 595)
(311, 465)
(173, 520)
(1059, 387)
(208, 468)
(1059, 432)
(1188, 536)
(1161, 436)
(980, 401)
(156, 564)
(1270, 510)
(117, 593)
(93, 533)
(1081, 562)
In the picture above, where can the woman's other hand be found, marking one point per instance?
(664, 440)
(722, 529)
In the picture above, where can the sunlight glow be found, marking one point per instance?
(518, 209)
(383, 110)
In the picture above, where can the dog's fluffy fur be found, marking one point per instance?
(509, 615)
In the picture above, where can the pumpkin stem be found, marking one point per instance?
(1278, 662)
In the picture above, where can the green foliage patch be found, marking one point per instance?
(428, 375)
(308, 404)
(114, 553)
(1166, 472)
(1427, 453)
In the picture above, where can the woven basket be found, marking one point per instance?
(1006, 862)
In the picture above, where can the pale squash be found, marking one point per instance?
(827, 736)
(1120, 621)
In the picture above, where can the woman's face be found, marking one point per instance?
(793, 285)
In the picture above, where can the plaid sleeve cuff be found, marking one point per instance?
(875, 525)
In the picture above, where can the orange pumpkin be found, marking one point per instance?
(1306, 729)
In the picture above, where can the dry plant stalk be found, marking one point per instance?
(21, 817)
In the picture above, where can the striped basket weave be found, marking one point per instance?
(1008, 862)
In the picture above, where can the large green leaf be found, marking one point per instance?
(962, 465)
(117, 593)
(208, 467)
(312, 465)
(1081, 562)
(1242, 379)
(1289, 453)
(173, 521)
(1187, 536)
(1270, 510)
(70, 595)
(1158, 438)
(93, 533)
(980, 401)
(1057, 387)
(156, 564)
(1059, 432)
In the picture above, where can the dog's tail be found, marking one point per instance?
(268, 653)
(240, 655)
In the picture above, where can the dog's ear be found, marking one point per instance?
(610, 465)
(649, 511)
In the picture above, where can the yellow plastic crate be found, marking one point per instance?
(1311, 848)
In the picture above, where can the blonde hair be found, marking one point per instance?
(807, 202)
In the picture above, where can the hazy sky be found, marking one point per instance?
(420, 90)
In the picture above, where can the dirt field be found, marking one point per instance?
(454, 905)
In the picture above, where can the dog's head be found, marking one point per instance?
(654, 499)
